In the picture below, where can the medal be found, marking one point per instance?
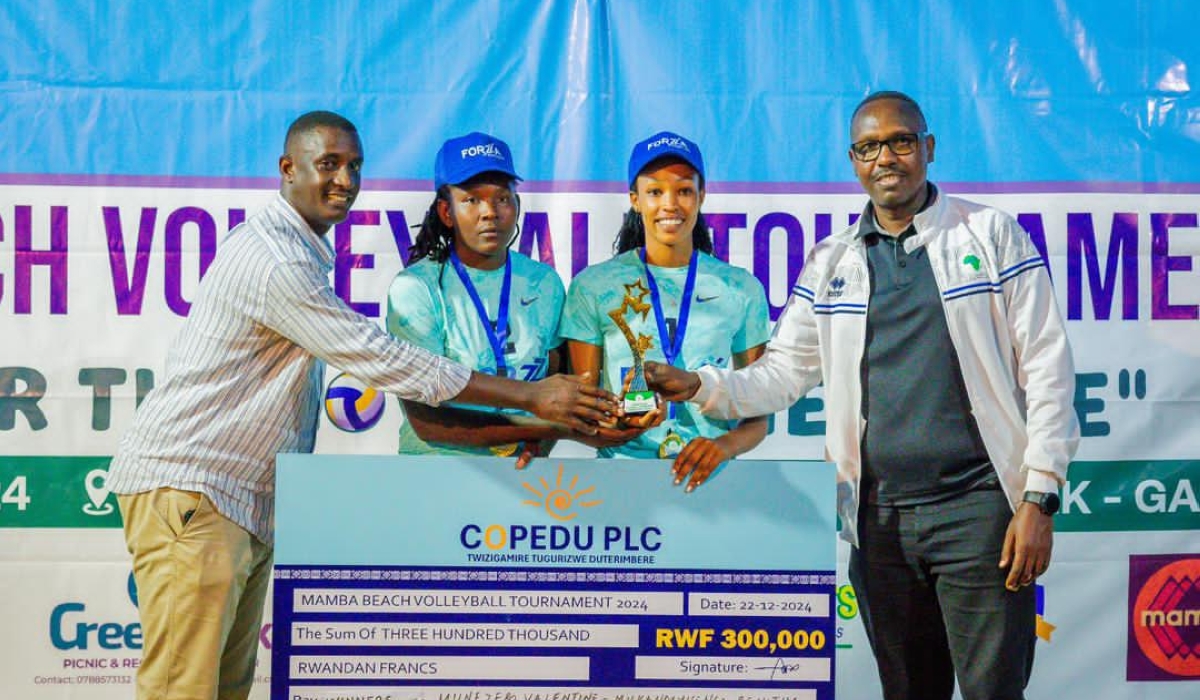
(505, 450)
(670, 446)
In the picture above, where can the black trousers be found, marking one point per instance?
(933, 600)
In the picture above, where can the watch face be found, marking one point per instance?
(1048, 502)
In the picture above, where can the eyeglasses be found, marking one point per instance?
(900, 144)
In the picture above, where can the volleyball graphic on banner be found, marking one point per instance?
(351, 405)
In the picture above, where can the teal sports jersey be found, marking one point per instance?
(429, 307)
(728, 315)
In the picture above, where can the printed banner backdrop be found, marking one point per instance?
(137, 138)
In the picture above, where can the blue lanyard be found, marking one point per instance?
(671, 347)
(497, 333)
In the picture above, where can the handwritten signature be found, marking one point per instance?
(780, 667)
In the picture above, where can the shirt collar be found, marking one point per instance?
(319, 244)
(867, 224)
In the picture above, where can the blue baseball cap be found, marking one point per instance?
(664, 144)
(463, 157)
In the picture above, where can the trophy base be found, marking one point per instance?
(636, 402)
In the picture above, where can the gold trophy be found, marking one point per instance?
(638, 397)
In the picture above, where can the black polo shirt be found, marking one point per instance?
(921, 443)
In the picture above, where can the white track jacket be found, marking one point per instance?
(1004, 323)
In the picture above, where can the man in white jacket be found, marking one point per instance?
(948, 391)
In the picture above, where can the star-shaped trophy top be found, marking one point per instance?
(635, 295)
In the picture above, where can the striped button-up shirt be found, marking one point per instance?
(244, 377)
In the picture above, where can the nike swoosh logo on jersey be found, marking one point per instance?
(530, 300)
(701, 300)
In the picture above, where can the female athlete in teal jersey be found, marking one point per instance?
(664, 297)
(466, 296)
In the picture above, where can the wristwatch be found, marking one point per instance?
(1048, 502)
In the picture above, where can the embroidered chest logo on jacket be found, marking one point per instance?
(967, 264)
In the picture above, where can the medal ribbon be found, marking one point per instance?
(497, 333)
(671, 347)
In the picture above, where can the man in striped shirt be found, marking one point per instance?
(195, 474)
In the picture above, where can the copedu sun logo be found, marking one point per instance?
(352, 406)
(560, 500)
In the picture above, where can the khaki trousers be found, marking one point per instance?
(202, 581)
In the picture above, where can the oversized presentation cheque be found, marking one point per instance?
(451, 578)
